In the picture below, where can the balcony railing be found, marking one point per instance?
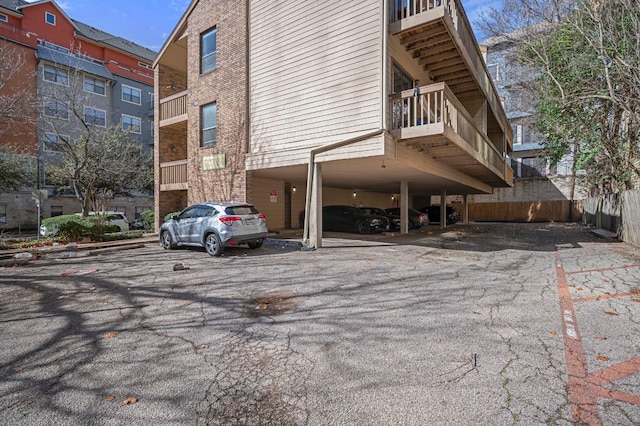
(14, 33)
(428, 110)
(173, 108)
(173, 175)
(402, 9)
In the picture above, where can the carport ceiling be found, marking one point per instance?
(367, 174)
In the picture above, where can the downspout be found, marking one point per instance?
(312, 157)
(381, 130)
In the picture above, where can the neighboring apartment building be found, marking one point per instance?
(70, 65)
(379, 103)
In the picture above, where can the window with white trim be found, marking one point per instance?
(96, 117)
(518, 138)
(94, 85)
(56, 75)
(208, 50)
(208, 124)
(131, 94)
(50, 18)
(494, 71)
(56, 109)
(52, 141)
(4, 18)
(133, 124)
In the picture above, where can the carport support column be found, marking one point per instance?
(465, 208)
(443, 209)
(315, 216)
(404, 207)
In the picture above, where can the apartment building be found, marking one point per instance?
(72, 68)
(296, 106)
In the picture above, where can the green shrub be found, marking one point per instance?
(148, 219)
(75, 227)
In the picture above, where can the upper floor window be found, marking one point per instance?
(131, 94)
(55, 74)
(401, 80)
(4, 18)
(133, 124)
(208, 50)
(50, 18)
(95, 116)
(209, 124)
(56, 109)
(94, 85)
(518, 135)
(494, 72)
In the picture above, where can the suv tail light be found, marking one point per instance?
(262, 216)
(228, 220)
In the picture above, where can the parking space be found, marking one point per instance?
(474, 324)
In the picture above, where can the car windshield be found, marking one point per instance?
(241, 210)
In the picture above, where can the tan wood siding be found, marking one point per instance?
(315, 75)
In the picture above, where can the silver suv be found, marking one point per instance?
(215, 226)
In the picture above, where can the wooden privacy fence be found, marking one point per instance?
(526, 211)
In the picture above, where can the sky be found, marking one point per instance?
(150, 22)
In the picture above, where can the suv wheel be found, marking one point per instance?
(255, 244)
(212, 245)
(165, 240)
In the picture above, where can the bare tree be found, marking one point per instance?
(17, 92)
(587, 58)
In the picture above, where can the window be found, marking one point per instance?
(56, 211)
(144, 65)
(131, 123)
(208, 51)
(3, 213)
(95, 116)
(55, 74)
(518, 138)
(4, 18)
(131, 94)
(209, 124)
(401, 80)
(52, 141)
(56, 109)
(494, 72)
(50, 18)
(94, 85)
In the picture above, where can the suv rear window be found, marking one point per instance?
(241, 210)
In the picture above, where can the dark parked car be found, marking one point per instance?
(214, 226)
(394, 220)
(434, 214)
(416, 218)
(352, 219)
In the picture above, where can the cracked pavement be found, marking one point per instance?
(475, 324)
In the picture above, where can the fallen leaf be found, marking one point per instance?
(603, 358)
(110, 335)
(186, 303)
(601, 338)
(579, 289)
(204, 346)
(130, 400)
(17, 368)
(111, 398)
(607, 281)
(610, 313)
(93, 288)
(553, 333)
(635, 299)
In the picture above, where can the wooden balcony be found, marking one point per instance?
(173, 175)
(433, 121)
(439, 36)
(173, 109)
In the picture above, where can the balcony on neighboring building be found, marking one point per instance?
(432, 120)
(13, 33)
(173, 109)
(173, 175)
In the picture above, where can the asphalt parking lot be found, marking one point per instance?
(475, 324)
